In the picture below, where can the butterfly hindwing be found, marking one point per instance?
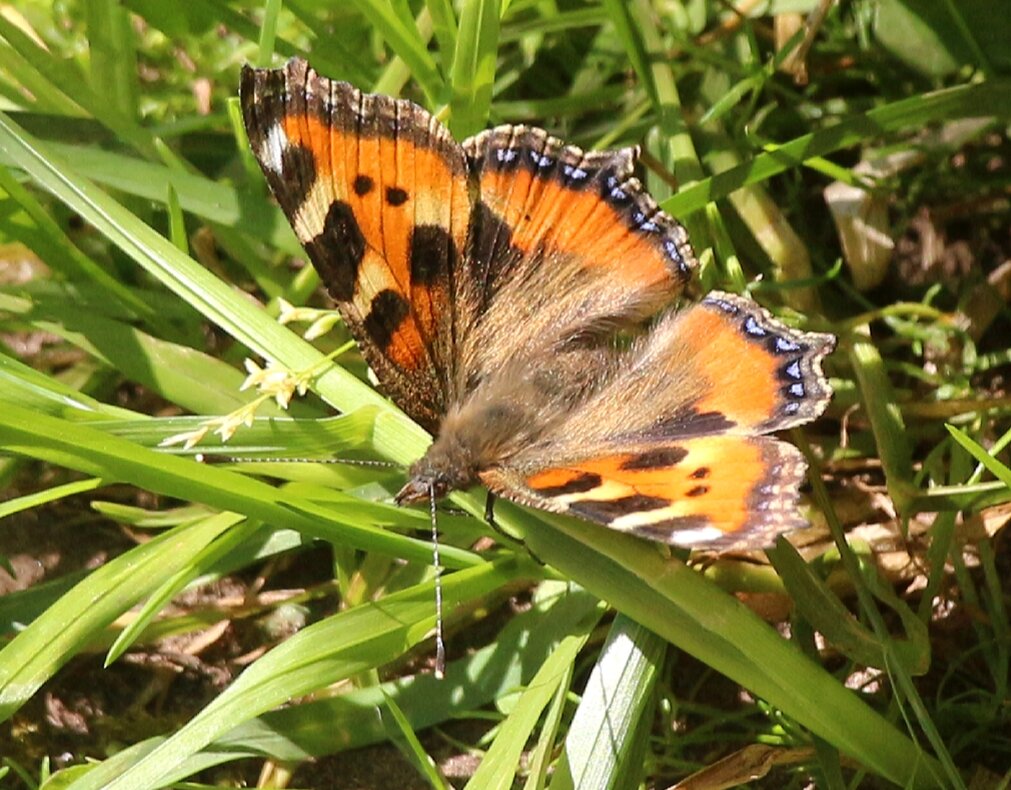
(717, 492)
(758, 373)
(377, 192)
(672, 447)
(721, 365)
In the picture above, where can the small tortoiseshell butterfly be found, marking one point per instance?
(512, 295)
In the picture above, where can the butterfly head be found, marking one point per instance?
(440, 471)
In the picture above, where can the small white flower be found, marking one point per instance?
(274, 381)
(229, 424)
(322, 325)
(287, 311)
(188, 439)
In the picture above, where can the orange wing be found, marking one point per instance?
(545, 199)
(715, 492)
(563, 244)
(748, 372)
(377, 192)
(671, 448)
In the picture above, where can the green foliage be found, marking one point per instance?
(129, 198)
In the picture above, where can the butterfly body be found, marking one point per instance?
(513, 295)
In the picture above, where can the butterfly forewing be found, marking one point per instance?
(377, 192)
(564, 244)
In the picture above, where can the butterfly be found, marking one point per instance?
(512, 294)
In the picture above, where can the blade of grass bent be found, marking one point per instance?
(36, 653)
(396, 436)
(339, 647)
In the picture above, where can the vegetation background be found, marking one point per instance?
(167, 621)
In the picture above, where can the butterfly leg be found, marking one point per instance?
(489, 517)
(489, 511)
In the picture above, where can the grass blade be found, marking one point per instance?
(58, 633)
(498, 768)
(605, 744)
(474, 62)
(321, 654)
(404, 39)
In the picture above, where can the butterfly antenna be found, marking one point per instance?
(206, 458)
(440, 644)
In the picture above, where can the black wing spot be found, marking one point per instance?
(433, 254)
(701, 473)
(698, 491)
(298, 174)
(396, 196)
(363, 185)
(338, 251)
(585, 481)
(689, 423)
(656, 459)
(607, 510)
(386, 313)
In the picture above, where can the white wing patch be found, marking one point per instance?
(696, 538)
(273, 148)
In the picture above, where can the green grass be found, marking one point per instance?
(122, 170)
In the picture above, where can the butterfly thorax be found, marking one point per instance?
(468, 442)
(505, 414)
